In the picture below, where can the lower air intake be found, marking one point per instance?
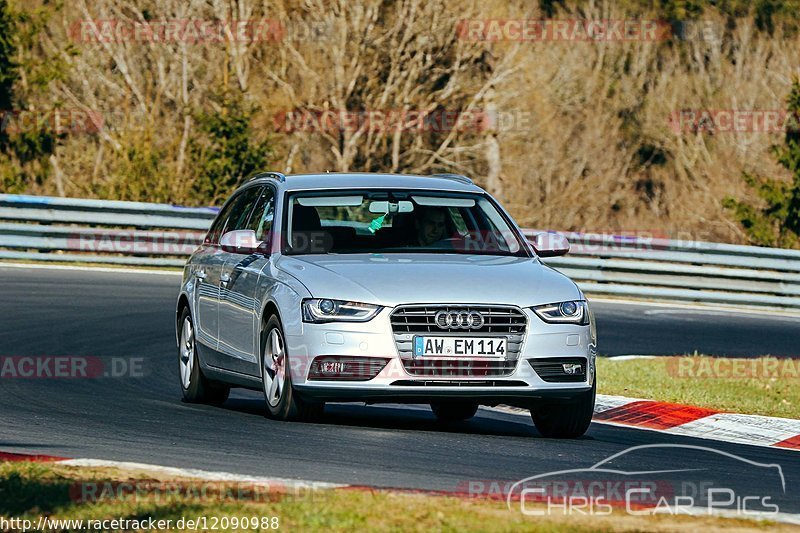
(560, 369)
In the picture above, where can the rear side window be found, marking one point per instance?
(243, 208)
(216, 228)
(263, 214)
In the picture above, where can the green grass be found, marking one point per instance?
(30, 490)
(763, 386)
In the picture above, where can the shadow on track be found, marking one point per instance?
(395, 417)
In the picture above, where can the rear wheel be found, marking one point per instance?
(454, 411)
(196, 388)
(283, 402)
(565, 419)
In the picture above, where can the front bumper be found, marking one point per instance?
(394, 383)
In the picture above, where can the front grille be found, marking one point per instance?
(500, 321)
(420, 319)
(552, 369)
(459, 367)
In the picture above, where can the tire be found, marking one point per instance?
(194, 385)
(283, 402)
(566, 419)
(454, 411)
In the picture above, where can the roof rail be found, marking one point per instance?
(274, 175)
(455, 177)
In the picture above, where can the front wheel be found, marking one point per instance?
(194, 385)
(454, 411)
(282, 401)
(565, 419)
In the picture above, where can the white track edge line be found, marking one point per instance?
(173, 272)
(205, 474)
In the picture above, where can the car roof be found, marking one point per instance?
(369, 180)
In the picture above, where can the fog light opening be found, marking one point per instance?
(346, 368)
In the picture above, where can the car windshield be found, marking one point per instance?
(388, 221)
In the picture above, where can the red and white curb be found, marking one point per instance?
(691, 421)
(19, 457)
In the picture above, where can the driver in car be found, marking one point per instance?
(430, 225)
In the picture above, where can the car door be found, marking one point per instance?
(239, 284)
(206, 269)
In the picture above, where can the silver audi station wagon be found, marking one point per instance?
(383, 288)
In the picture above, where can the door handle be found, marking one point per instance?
(224, 279)
(201, 274)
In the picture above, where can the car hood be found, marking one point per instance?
(394, 279)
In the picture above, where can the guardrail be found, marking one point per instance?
(80, 230)
(148, 234)
(692, 271)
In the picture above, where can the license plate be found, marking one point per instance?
(460, 346)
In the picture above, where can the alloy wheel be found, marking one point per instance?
(187, 353)
(274, 367)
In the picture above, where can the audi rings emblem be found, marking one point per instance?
(459, 320)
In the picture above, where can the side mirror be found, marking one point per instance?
(241, 241)
(550, 244)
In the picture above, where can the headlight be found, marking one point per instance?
(323, 310)
(572, 312)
